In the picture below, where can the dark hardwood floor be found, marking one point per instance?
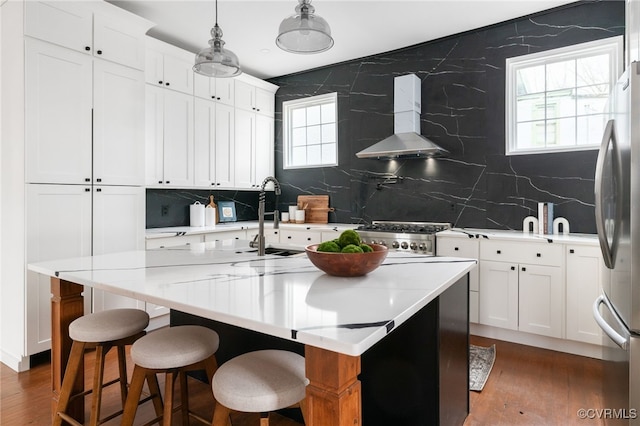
(527, 386)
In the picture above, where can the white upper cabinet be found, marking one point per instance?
(169, 138)
(84, 119)
(169, 66)
(252, 98)
(58, 90)
(215, 89)
(264, 149)
(118, 125)
(214, 139)
(94, 28)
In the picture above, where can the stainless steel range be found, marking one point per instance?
(417, 237)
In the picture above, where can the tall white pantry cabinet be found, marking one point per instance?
(72, 171)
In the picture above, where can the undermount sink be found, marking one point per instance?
(277, 251)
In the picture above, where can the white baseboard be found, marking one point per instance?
(561, 345)
(16, 364)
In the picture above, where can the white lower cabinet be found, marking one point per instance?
(584, 284)
(522, 286)
(541, 300)
(498, 294)
(238, 234)
(469, 248)
(67, 221)
(300, 237)
(118, 225)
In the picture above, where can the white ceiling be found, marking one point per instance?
(360, 28)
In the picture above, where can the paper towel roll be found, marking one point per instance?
(209, 216)
(196, 214)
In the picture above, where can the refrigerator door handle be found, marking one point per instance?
(608, 251)
(620, 340)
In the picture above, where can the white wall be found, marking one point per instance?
(12, 201)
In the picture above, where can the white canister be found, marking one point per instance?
(292, 212)
(299, 216)
(285, 217)
(210, 216)
(196, 214)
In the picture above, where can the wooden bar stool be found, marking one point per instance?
(102, 331)
(259, 382)
(173, 351)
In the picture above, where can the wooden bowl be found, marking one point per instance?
(347, 264)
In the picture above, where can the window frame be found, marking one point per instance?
(287, 110)
(611, 45)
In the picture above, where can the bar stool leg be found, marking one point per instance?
(122, 367)
(221, 416)
(264, 419)
(135, 389)
(169, 386)
(154, 391)
(98, 376)
(73, 366)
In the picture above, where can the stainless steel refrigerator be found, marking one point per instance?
(617, 193)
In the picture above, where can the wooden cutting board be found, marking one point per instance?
(316, 208)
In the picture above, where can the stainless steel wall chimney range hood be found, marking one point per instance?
(406, 142)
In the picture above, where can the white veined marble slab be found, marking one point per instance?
(286, 297)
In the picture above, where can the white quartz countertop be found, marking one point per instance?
(589, 239)
(286, 297)
(236, 226)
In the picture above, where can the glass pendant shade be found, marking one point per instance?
(304, 32)
(215, 60)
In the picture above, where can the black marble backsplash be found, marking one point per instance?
(170, 207)
(463, 110)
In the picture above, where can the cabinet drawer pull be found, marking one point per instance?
(308, 238)
(167, 181)
(572, 251)
(498, 251)
(87, 190)
(159, 181)
(167, 84)
(538, 255)
(98, 189)
(99, 52)
(524, 269)
(87, 48)
(289, 237)
(456, 248)
(513, 268)
(160, 82)
(99, 180)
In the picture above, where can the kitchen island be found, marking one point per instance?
(336, 319)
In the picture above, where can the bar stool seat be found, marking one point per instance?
(102, 330)
(259, 382)
(172, 351)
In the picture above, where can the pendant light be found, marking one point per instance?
(215, 60)
(304, 32)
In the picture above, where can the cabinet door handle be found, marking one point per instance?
(456, 248)
(289, 237)
(538, 255)
(99, 180)
(167, 181)
(87, 48)
(572, 251)
(308, 238)
(159, 181)
(87, 190)
(99, 52)
(98, 189)
(87, 179)
(167, 84)
(524, 269)
(160, 82)
(513, 268)
(498, 251)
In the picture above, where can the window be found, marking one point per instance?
(311, 132)
(557, 99)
